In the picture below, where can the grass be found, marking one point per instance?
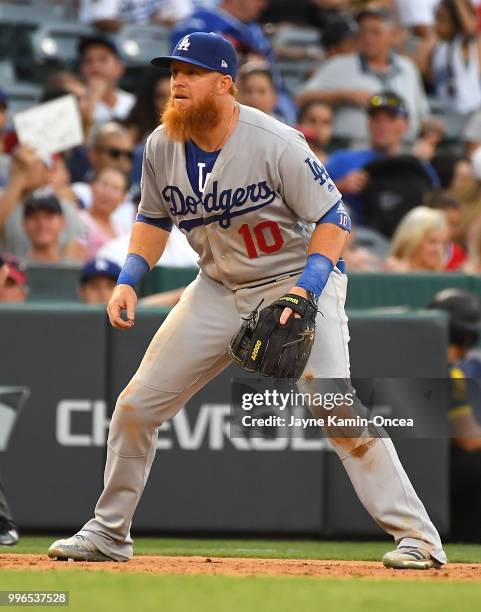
(119, 592)
(109, 591)
(279, 549)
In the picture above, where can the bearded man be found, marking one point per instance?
(247, 191)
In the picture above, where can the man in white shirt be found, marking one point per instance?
(110, 15)
(102, 69)
(348, 81)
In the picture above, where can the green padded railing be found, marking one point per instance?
(163, 278)
(365, 290)
(415, 290)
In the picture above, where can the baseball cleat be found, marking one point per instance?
(8, 537)
(409, 557)
(76, 548)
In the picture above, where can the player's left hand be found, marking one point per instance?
(286, 313)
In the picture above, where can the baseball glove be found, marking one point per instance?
(263, 345)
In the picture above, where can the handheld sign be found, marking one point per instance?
(51, 127)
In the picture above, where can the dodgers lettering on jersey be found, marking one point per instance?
(247, 214)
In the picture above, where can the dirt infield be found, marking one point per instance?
(232, 566)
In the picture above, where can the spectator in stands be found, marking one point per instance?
(452, 64)
(111, 15)
(101, 68)
(97, 281)
(30, 174)
(256, 88)
(237, 21)
(110, 146)
(145, 115)
(316, 122)
(347, 82)
(99, 277)
(419, 242)
(108, 191)
(13, 289)
(450, 206)
(464, 311)
(315, 13)
(388, 122)
(44, 223)
(339, 36)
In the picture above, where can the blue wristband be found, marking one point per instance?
(316, 273)
(133, 270)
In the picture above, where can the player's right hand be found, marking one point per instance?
(123, 298)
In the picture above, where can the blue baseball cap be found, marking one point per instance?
(207, 50)
(99, 267)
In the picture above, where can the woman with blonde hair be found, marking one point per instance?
(419, 242)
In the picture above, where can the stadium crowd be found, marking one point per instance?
(378, 89)
(368, 104)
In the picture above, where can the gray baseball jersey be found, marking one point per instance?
(250, 225)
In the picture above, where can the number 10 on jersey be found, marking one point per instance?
(264, 237)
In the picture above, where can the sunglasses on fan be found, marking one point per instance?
(115, 153)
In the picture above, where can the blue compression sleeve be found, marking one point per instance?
(316, 273)
(133, 270)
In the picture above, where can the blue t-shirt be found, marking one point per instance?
(345, 161)
(199, 166)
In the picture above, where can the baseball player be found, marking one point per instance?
(247, 192)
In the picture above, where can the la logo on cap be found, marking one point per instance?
(224, 64)
(184, 44)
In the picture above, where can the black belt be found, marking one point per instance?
(284, 276)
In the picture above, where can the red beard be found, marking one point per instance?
(182, 124)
